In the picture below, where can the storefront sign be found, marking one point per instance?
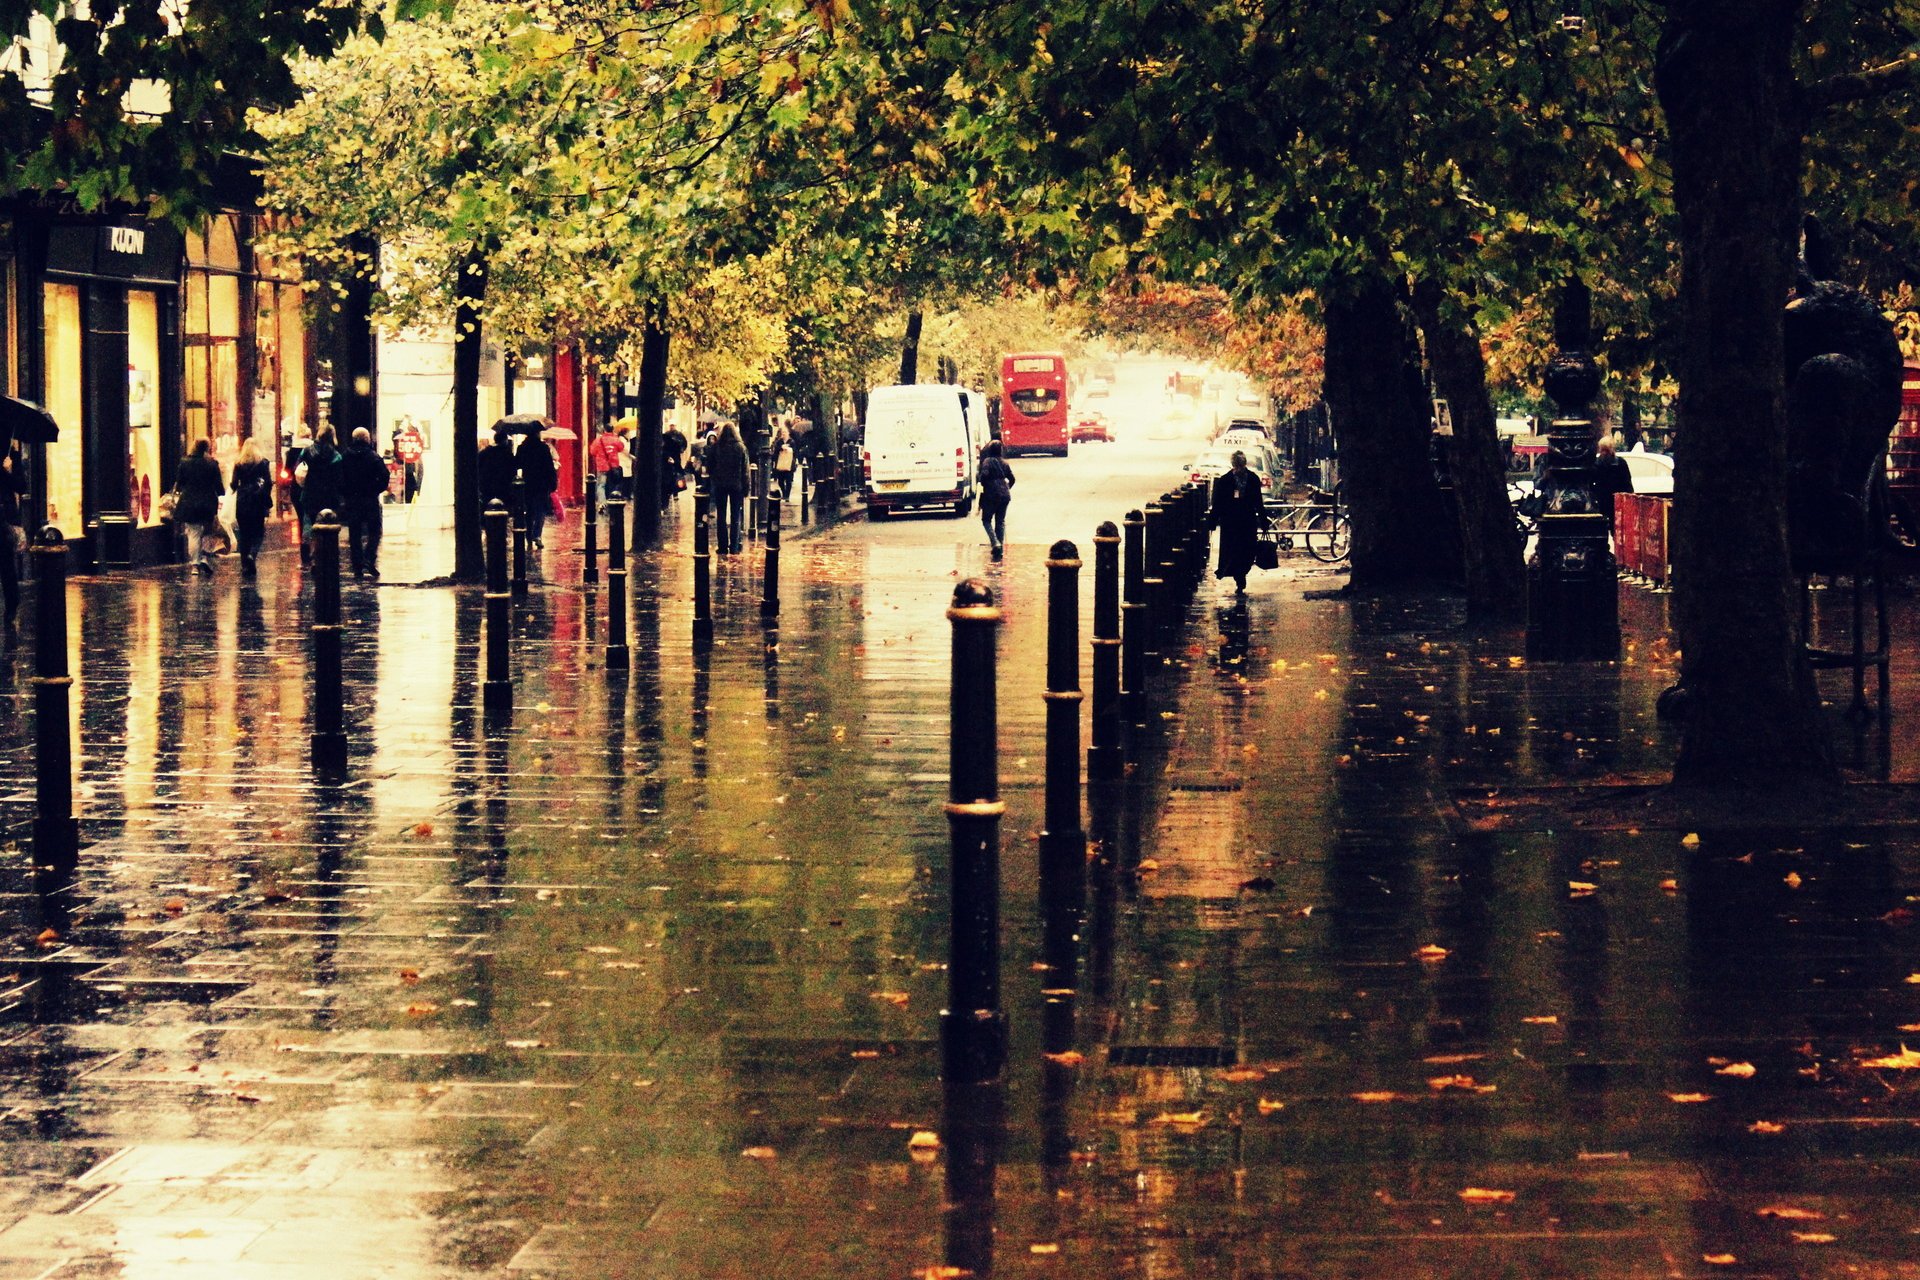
(143, 251)
(409, 445)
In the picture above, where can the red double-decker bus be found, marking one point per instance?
(1033, 403)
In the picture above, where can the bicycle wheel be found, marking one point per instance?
(1329, 537)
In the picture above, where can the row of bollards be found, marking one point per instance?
(1144, 581)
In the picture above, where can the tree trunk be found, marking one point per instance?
(1402, 530)
(1725, 78)
(1490, 541)
(910, 351)
(654, 347)
(469, 292)
(354, 379)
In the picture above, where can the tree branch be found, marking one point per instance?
(1890, 77)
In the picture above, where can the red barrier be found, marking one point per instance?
(1640, 534)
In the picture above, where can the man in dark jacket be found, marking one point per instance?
(200, 488)
(321, 488)
(363, 476)
(673, 449)
(495, 470)
(538, 478)
(727, 478)
(13, 487)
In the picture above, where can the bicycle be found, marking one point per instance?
(1320, 524)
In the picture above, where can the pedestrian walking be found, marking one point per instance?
(727, 479)
(539, 478)
(996, 493)
(197, 507)
(784, 460)
(1235, 511)
(13, 487)
(252, 501)
(1611, 475)
(364, 479)
(495, 469)
(673, 454)
(606, 457)
(320, 485)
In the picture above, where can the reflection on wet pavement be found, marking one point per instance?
(648, 984)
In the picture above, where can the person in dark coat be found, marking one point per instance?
(673, 450)
(1235, 511)
(494, 471)
(252, 501)
(322, 489)
(727, 479)
(364, 478)
(1611, 475)
(540, 478)
(13, 487)
(996, 493)
(198, 506)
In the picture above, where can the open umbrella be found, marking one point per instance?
(25, 421)
(522, 424)
(559, 433)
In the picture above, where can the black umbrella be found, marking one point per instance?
(25, 421)
(522, 424)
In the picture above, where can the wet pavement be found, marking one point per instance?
(647, 984)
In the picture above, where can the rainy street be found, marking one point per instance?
(647, 983)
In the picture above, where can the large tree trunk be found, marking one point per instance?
(1725, 77)
(469, 292)
(354, 379)
(654, 348)
(1490, 541)
(910, 351)
(1403, 532)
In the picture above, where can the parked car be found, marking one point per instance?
(1214, 461)
(1256, 445)
(1089, 427)
(1652, 472)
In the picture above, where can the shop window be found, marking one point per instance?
(143, 405)
(63, 459)
(211, 339)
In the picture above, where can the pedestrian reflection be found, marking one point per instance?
(699, 721)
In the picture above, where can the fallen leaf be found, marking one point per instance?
(1813, 1237)
(758, 1153)
(175, 906)
(423, 829)
(1043, 1248)
(1375, 1095)
(47, 938)
(1691, 840)
(924, 1140)
(1792, 880)
(1466, 1084)
(1484, 1195)
(1243, 1073)
(422, 1009)
(1913, 979)
(1268, 1107)
(1148, 864)
(410, 977)
(1719, 1259)
(1070, 1058)
(1766, 1127)
(1741, 1070)
(1788, 1213)
(1905, 1060)
(892, 997)
(1543, 1020)
(1690, 1097)
(1669, 886)
(1431, 954)
(1580, 888)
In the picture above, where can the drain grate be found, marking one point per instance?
(1172, 1055)
(1189, 785)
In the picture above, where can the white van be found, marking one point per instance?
(922, 448)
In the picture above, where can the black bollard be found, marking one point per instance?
(804, 478)
(590, 548)
(56, 834)
(1153, 585)
(1103, 755)
(1063, 843)
(770, 581)
(1133, 616)
(617, 656)
(702, 561)
(756, 477)
(329, 742)
(1168, 569)
(519, 536)
(973, 1031)
(497, 690)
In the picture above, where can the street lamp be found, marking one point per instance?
(1573, 603)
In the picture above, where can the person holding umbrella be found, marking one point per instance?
(13, 487)
(540, 478)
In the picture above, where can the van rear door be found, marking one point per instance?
(904, 439)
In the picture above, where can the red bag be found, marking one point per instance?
(559, 508)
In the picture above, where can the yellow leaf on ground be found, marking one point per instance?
(1243, 1073)
(758, 1153)
(1669, 886)
(1465, 1083)
(1813, 1237)
(1043, 1248)
(924, 1139)
(1792, 880)
(1430, 953)
(1068, 1059)
(422, 1009)
(1580, 888)
(1484, 1195)
(1690, 1097)
(1790, 1213)
(891, 997)
(1719, 1259)
(1148, 864)
(1267, 1106)
(1691, 840)
(1543, 1020)
(1905, 1060)
(1741, 1070)
(1181, 1117)
(1376, 1095)
(1766, 1127)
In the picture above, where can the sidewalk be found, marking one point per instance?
(647, 985)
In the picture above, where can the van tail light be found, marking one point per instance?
(1266, 482)
(866, 465)
(960, 463)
